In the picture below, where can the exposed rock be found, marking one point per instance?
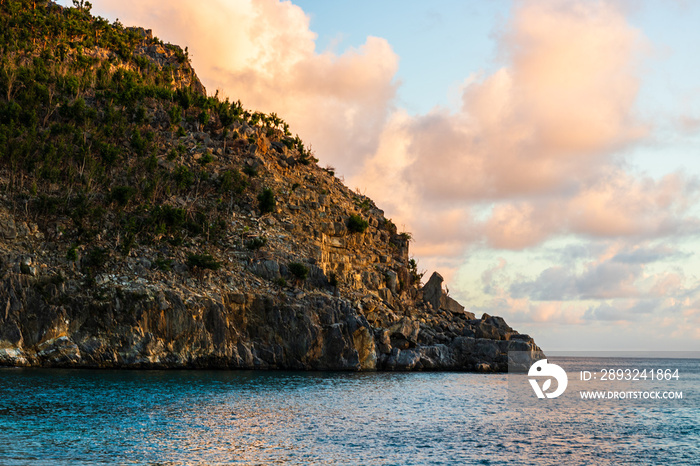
(432, 291)
(438, 298)
(7, 228)
(168, 328)
(407, 360)
(146, 34)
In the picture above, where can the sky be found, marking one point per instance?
(543, 154)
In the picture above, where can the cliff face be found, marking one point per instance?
(150, 324)
(143, 224)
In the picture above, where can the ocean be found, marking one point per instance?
(54, 417)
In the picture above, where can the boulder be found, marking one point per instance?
(450, 305)
(436, 357)
(432, 291)
(407, 360)
(438, 299)
(392, 280)
(267, 269)
(404, 333)
(58, 351)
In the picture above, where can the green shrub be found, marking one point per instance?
(165, 265)
(413, 271)
(108, 152)
(357, 224)
(298, 270)
(365, 204)
(281, 282)
(266, 201)
(256, 243)
(122, 194)
(232, 181)
(203, 261)
(170, 216)
(206, 158)
(184, 98)
(175, 114)
(140, 116)
(139, 143)
(72, 254)
(203, 117)
(184, 178)
(96, 258)
(250, 171)
(333, 280)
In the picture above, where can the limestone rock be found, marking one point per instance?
(438, 299)
(432, 291)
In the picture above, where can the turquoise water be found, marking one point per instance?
(208, 417)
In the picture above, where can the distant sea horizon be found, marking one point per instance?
(631, 354)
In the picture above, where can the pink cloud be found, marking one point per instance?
(536, 144)
(548, 119)
(617, 205)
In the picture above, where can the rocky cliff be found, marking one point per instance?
(144, 224)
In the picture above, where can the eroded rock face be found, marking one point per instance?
(45, 324)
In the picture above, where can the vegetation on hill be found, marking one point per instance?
(91, 117)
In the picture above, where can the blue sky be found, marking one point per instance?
(544, 154)
(439, 43)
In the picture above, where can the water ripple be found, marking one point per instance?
(207, 417)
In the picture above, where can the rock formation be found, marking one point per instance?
(146, 225)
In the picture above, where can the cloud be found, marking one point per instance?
(615, 205)
(263, 53)
(522, 310)
(640, 254)
(688, 124)
(544, 122)
(601, 282)
(619, 272)
(538, 145)
(630, 310)
(670, 303)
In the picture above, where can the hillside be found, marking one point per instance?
(145, 224)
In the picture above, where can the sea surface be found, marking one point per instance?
(54, 417)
